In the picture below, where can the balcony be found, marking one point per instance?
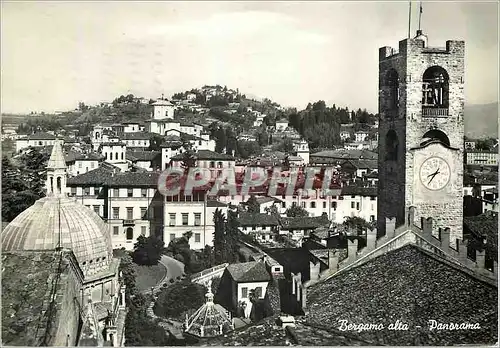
(128, 222)
(434, 112)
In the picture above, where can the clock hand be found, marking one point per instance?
(433, 176)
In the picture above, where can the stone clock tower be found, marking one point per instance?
(421, 132)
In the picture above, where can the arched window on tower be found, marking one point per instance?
(393, 85)
(58, 184)
(391, 145)
(435, 89)
(51, 185)
(435, 135)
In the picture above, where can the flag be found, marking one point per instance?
(420, 7)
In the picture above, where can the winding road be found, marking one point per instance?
(174, 269)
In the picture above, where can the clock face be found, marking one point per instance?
(435, 173)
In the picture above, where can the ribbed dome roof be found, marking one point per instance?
(80, 229)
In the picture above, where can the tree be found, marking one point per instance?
(188, 157)
(273, 210)
(219, 237)
(23, 183)
(357, 223)
(148, 250)
(155, 142)
(296, 211)
(246, 149)
(252, 205)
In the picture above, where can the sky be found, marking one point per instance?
(55, 54)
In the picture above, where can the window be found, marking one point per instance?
(391, 145)
(313, 204)
(435, 88)
(372, 218)
(303, 204)
(144, 192)
(283, 204)
(130, 213)
(197, 219)
(197, 237)
(116, 192)
(393, 84)
(130, 192)
(79, 164)
(172, 219)
(73, 191)
(116, 213)
(324, 205)
(96, 209)
(143, 230)
(172, 236)
(130, 233)
(244, 292)
(372, 198)
(96, 190)
(143, 212)
(353, 196)
(353, 204)
(92, 165)
(357, 206)
(115, 230)
(212, 164)
(86, 191)
(185, 217)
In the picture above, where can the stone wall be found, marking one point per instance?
(67, 298)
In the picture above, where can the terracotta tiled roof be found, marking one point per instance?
(26, 279)
(136, 136)
(142, 155)
(410, 285)
(311, 222)
(206, 155)
(257, 219)
(96, 177)
(254, 271)
(133, 179)
(356, 190)
(484, 225)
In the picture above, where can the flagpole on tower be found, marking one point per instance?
(420, 16)
(409, 21)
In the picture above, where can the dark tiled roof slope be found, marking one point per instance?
(207, 155)
(257, 219)
(133, 179)
(370, 191)
(484, 225)
(25, 290)
(142, 155)
(253, 271)
(410, 285)
(268, 332)
(304, 222)
(92, 178)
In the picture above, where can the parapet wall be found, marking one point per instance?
(396, 237)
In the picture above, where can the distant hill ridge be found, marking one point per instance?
(481, 120)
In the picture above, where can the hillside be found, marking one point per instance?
(481, 120)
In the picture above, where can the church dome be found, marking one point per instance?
(54, 222)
